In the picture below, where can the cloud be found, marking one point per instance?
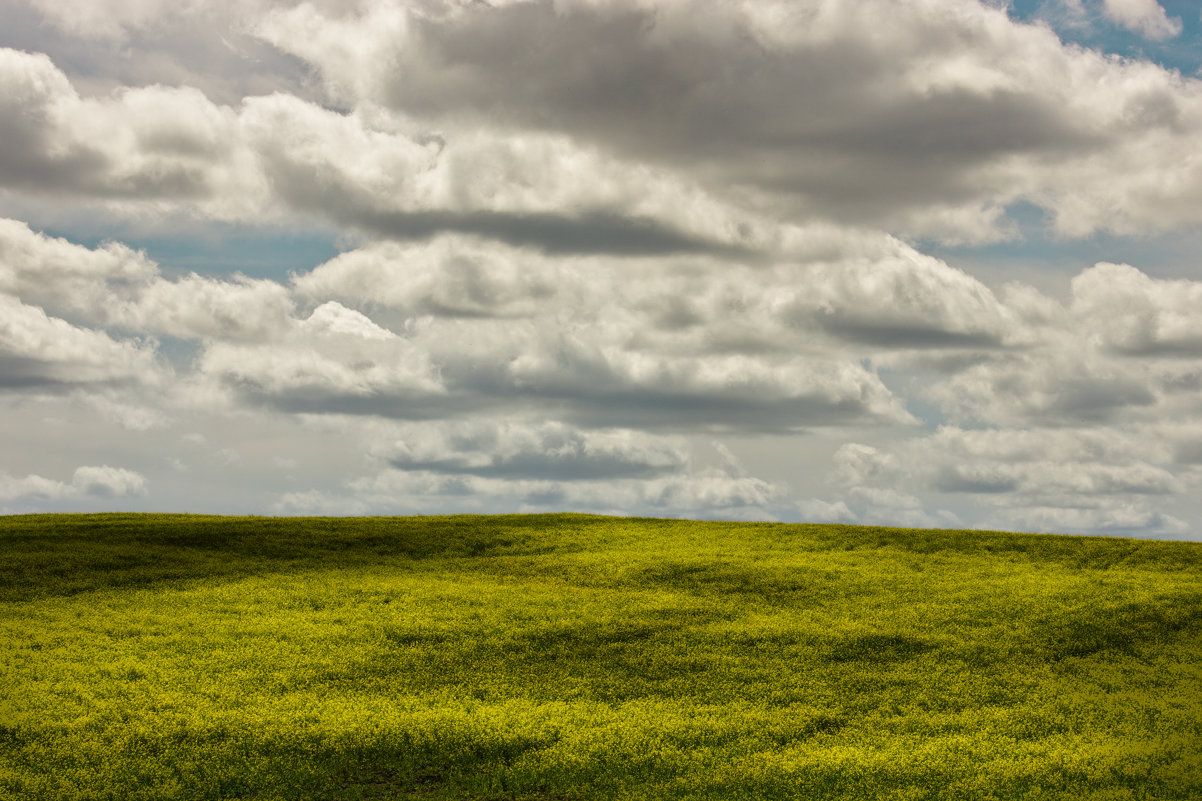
(578, 353)
(1103, 480)
(88, 481)
(335, 360)
(1048, 386)
(393, 179)
(1052, 463)
(698, 494)
(744, 117)
(547, 451)
(660, 343)
(1145, 17)
(68, 279)
(110, 19)
(519, 463)
(47, 354)
(580, 238)
(1113, 519)
(195, 307)
(140, 144)
(447, 277)
(601, 385)
(30, 487)
(708, 341)
(108, 481)
(117, 287)
(1124, 348)
(931, 125)
(906, 300)
(1131, 313)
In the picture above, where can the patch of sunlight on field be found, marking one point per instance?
(556, 657)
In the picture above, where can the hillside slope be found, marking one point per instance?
(570, 656)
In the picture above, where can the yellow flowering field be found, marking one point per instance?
(583, 657)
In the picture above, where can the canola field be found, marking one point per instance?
(581, 657)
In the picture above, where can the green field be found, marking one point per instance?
(570, 656)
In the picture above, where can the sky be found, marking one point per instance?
(928, 263)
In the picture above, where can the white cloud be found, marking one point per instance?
(1060, 463)
(856, 464)
(549, 450)
(699, 494)
(108, 481)
(930, 125)
(1104, 480)
(1123, 349)
(1145, 17)
(335, 357)
(108, 19)
(114, 286)
(159, 144)
(66, 278)
(448, 276)
(47, 353)
(1114, 519)
(196, 307)
(1050, 385)
(30, 487)
(96, 481)
(1129, 312)
(582, 238)
(814, 510)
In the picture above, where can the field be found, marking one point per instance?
(578, 657)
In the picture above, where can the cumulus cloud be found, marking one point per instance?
(336, 359)
(579, 237)
(1047, 386)
(1050, 463)
(625, 335)
(549, 451)
(65, 278)
(1074, 480)
(709, 493)
(195, 307)
(110, 19)
(47, 353)
(604, 385)
(115, 286)
(932, 124)
(742, 116)
(446, 277)
(100, 481)
(1145, 17)
(150, 143)
(1123, 349)
(518, 463)
(108, 481)
(1132, 313)
(662, 343)
(397, 179)
(1110, 519)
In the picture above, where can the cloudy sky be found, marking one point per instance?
(930, 263)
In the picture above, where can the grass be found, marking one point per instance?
(578, 657)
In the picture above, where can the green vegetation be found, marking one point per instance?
(577, 657)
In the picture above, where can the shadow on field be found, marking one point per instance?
(662, 653)
(55, 555)
(763, 583)
(1121, 630)
(49, 555)
(224, 763)
(878, 648)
